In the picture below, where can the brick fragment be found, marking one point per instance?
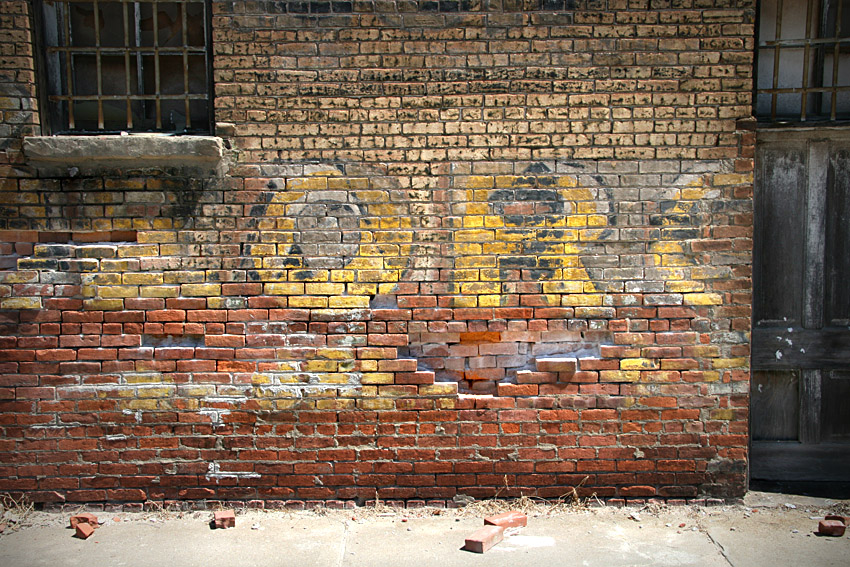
(225, 519)
(484, 538)
(84, 518)
(834, 528)
(84, 530)
(512, 519)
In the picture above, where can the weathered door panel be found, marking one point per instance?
(801, 305)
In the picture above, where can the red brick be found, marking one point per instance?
(512, 519)
(84, 518)
(83, 530)
(484, 538)
(830, 527)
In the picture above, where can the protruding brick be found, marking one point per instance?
(556, 364)
(484, 538)
(225, 519)
(512, 519)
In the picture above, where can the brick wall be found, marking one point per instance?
(464, 248)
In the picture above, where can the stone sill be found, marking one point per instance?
(69, 156)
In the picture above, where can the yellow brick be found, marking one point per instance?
(494, 221)
(473, 221)
(493, 300)
(324, 288)
(288, 288)
(103, 304)
(665, 246)
(287, 197)
(478, 182)
(143, 377)
(597, 220)
(481, 287)
(200, 290)
(342, 276)
(261, 249)
(443, 389)
(132, 251)
(619, 376)
(569, 181)
(260, 378)
(164, 392)
(155, 236)
(375, 404)
(722, 414)
(20, 303)
(101, 279)
(395, 236)
(348, 302)
(703, 299)
(107, 291)
(455, 301)
(576, 220)
(148, 278)
(685, 286)
(307, 183)
(638, 364)
(159, 291)
(733, 179)
(366, 263)
(362, 289)
(378, 250)
(675, 260)
(693, 193)
(196, 391)
(509, 181)
(474, 235)
(306, 302)
(730, 362)
(336, 404)
(562, 287)
(370, 196)
(490, 275)
(335, 378)
(138, 404)
(309, 275)
(475, 262)
(348, 183)
(377, 276)
(384, 289)
(23, 276)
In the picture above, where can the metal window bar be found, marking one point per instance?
(129, 47)
(816, 41)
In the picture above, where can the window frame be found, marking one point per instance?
(813, 66)
(52, 120)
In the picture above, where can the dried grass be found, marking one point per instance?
(529, 505)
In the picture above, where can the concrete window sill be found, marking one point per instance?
(96, 155)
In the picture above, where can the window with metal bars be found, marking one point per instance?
(803, 61)
(125, 65)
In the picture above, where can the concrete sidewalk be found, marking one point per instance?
(769, 529)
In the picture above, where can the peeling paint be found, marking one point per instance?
(214, 472)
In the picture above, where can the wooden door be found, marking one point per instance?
(800, 394)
